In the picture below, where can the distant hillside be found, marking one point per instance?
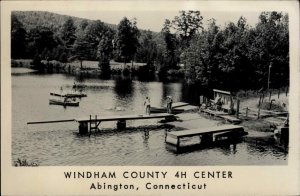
(31, 19)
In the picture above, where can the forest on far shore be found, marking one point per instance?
(236, 56)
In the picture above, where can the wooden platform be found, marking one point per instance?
(88, 124)
(177, 108)
(222, 115)
(125, 117)
(231, 119)
(70, 95)
(164, 110)
(207, 134)
(213, 112)
(179, 104)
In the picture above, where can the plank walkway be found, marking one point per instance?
(125, 117)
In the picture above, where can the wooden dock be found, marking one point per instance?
(88, 124)
(177, 108)
(164, 110)
(207, 134)
(222, 115)
(69, 95)
(179, 104)
(231, 119)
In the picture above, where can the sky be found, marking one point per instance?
(153, 20)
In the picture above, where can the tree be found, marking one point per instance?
(147, 50)
(83, 24)
(171, 56)
(270, 44)
(93, 34)
(18, 38)
(81, 49)
(40, 39)
(186, 25)
(67, 33)
(127, 39)
(203, 56)
(104, 53)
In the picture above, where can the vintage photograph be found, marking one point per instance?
(150, 88)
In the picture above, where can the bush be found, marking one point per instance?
(274, 107)
(25, 163)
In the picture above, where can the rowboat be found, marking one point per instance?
(63, 103)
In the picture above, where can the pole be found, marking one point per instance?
(237, 108)
(50, 121)
(269, 73)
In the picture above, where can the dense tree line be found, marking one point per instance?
(236, 56)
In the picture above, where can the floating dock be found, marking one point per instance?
(177, 108)
(88, 124)
(70, 95)
(207, 135)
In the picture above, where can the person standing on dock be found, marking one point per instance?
(147, 104)
(169, 104)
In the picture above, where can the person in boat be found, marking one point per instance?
(169, 104)
(147, 105)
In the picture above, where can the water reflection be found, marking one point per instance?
(124, 87)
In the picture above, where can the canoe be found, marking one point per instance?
(164, 110)
(63, 103)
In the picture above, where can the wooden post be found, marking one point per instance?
(263, 96)
(166, 134)
(178, 142)
(247, 112)
(207, 138)
(237, 108)
(270, 92)
(258, 113)
(146, 133)
(83, 128)
(95, 123)
(121, 124)
(259, 100)
(278, 93)
(286, 91)
(90, 124)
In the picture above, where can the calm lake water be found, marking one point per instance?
(60, 145)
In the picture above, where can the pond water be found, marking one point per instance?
(60, 145)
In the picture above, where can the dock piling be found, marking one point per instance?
(121, 124)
